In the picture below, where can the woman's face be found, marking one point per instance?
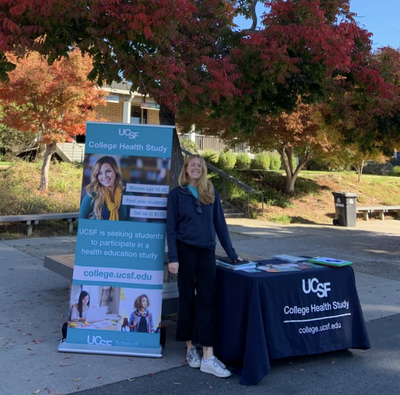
(106, 176)
(85, 300)
(143, 302)
(194, 170)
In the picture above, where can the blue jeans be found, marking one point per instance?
(196, 285)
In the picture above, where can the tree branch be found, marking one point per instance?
(253, 15)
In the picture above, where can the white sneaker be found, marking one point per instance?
(193, 358)
(214, 366)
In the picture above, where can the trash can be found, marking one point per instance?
(345, 208)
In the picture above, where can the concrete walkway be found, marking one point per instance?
(34, 304)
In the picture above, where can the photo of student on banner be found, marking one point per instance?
(78, 311)
(104, 193)
(96, 307)
(134, 300)
(141, 320)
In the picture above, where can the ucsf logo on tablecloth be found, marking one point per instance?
(316, 313)
(313, 285)
(116, 293)
(315, 310)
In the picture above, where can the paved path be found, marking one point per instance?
(34, 303)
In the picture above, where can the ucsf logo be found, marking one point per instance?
(321, 289)
(128, 133)
(98, 340)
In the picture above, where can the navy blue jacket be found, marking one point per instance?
(185, 224)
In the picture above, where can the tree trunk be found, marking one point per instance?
(167, 117)
(44, 175)
(290, 181)
(359, 169)
(291, 173)
(288, 167)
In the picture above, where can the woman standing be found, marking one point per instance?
(194, 218)
(104, 193)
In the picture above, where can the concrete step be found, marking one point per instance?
(234, 215)
(231, 211)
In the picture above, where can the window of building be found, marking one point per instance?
(138, 115)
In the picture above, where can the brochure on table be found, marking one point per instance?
(332, 262)
(120, 263)
(294, 263)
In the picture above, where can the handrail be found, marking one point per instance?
(225, 176)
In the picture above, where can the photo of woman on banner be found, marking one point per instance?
(103, 199)
(141, 320)
(79, 310)
(125, 325)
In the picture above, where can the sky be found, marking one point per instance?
(380, 17)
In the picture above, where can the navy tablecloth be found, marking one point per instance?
(264, 316)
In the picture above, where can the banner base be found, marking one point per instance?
(109, 350)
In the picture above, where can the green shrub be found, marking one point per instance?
(281, 219)
(275, 162)
(243, 161)
(261, 161)
(210, 156)
(395, 171)
(317, 164)
(189, 145)
(273, 197)
(375, 168)
(227, 160)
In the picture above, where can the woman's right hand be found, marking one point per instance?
(173, 267)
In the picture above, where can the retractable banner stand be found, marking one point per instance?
(116, 292)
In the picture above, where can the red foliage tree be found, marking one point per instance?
(369, 120)
(188, 56)
(168, 49)
(293, 135)
(50, 102)
(307, 48)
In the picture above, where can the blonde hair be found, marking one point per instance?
(204, 185)
(96, 190)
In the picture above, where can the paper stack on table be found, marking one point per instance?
(290, 258)
(280, 267)
(237, 265)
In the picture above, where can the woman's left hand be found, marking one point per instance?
(173, 267)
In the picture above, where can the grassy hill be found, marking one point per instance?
(312, 203)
